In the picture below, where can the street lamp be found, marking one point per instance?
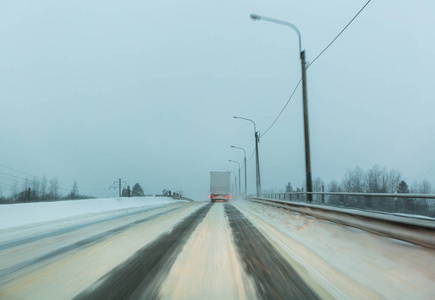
(304, 99)
(235, 180)
(244, 160)
(257, 162)
(239, 171)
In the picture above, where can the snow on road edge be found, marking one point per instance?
(349, 259)
(13, 215)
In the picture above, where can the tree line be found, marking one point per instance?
(136, 191)
(373, 180)
(40, 189)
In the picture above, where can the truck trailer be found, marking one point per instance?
(220, 187)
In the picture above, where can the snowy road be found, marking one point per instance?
(200, 250)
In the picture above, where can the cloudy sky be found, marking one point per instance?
(146, 91)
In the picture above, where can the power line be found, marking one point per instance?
(251, 155)
(66, 186)
(282, 110)
(10, 175)
(300, 80)
(428, 169)
(24, 180)
(34, 176)
(6, 185)
(16, 170)
(13, 179)
(339, 34)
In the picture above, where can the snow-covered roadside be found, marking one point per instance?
(347, 262)
(13, 215)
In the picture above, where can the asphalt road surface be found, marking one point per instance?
(175, 251)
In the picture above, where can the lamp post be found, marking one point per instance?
(257, 162)
(235, 180)
(244, 160)
(304, 99)
(239, 171)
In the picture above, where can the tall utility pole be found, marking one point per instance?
(244, 161)
(306, 128)
(120, 194)
(257, 140)
(257, 160)
(118, 184)
(304, 99)
(239, 172)
(246, 188)
(240, 179)
(235, 182)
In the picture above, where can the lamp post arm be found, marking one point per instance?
(235, 162)
(257, 17)
(255, 126)
(239, 148)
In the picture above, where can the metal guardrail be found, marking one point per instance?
(420, 231)
(412, 204)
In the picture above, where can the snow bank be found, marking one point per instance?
(12, 215)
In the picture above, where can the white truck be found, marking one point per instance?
(220, 187)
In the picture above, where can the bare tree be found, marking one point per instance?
(346, 183)
(44, 188)
(74, 191)
(24, 195)
(425, 187)
(317, 184)
(388, 181)
(14, 190)
(35, 189)
(395, 178)
(333, 187)
(54, 189)
(354, 180)
(375, 179)
(384, 183)
(414, 188)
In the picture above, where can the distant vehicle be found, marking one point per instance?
(220, 188)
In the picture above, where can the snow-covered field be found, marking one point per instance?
(13, 215)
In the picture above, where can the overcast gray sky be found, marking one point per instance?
(145, 91)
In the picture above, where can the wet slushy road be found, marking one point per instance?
(176, 251)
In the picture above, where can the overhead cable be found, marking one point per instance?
(339, 34)
(300, 80)
(282, 110)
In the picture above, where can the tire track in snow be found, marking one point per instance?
(19, 242)
(141, 276)
(273, 276)
(80, 244)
